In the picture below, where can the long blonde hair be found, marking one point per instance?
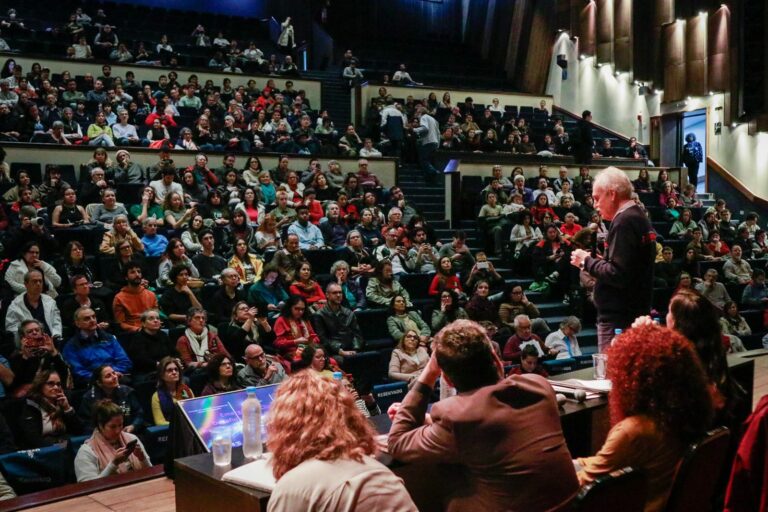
(300, 426)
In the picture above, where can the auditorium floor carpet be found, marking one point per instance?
(158, 495)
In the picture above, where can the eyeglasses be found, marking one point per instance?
(53, 383)
(411, 336)
(172, 370)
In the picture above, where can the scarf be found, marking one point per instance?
(105, 452)
(167, 400)
(198, 343)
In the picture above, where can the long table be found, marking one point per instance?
(199, 486)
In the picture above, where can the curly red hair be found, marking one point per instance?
(656, 372)
(314, 418)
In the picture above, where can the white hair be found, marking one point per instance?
(612, 178)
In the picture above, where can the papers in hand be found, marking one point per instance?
(590, 386)
(256, 474)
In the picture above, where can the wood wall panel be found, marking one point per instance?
(696, 76)
(642, 65)
(673, 38)
(663, 13)
(604, 34)
(718, 50)
(587, 28)
(535, 73)
(622, 34)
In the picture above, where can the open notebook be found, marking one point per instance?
(256, 474)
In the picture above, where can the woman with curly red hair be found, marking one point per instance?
(325, 461)
(659, 403)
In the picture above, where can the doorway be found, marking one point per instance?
(695, 122)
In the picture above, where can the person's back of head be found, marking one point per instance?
(465, 355)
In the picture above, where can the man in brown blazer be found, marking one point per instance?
(497, 445)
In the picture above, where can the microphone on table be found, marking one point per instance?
(577, 394)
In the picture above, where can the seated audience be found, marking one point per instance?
(409, 358)
(33, 304)
(92, 347)
(336, 326)
(480, 308)
(260, 369)
(448, 310)
(29, 259)
(247, 326)
(293, 330)
(268, 292)
(154, 244)
(105, 453)
(660, 403)
(178, 299)
(105, 385)
(198, 344)
(382, 287)
(755, 294)
(529, 363)
(736, 269)
(563, 342)
(37, 353)
(310, 473)
(170, 389)
(221, 375)
(149, 345)
(47, 418)
(712, 290)
(121, 230)
(247, 265)
(307, 288)
(401, 320)
(133, 299)
(523, 336)
(445, 278)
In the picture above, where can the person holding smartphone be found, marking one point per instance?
(110, 450)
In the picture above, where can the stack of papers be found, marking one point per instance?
(256, 475)
(593, 388)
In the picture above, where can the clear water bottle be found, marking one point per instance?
(616, 334)
(251, 411)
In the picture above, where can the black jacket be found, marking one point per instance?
(145, 350)
(625, 276)
(31, 427)
(124, 397)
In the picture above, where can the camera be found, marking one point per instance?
(37, 221)
(482, 265)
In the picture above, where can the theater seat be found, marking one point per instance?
(36, 470)
(558, 366)
(698, 472)
(624, 489)
(387, 394)
(155, 441)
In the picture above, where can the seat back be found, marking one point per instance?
(36, 470)
(387, 394)
(698, 472)
(624, 489)
(155, 441)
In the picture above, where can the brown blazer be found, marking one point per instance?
(505, 439)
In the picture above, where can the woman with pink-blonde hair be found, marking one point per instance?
(323, 451)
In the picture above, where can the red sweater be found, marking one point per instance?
(286, 332)
(310, 294)
(451, 283)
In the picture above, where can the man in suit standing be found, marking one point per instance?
(496, 445)
(584, 141)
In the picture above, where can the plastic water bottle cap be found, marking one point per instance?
(251, 390)
(337, 375)
(617, 331)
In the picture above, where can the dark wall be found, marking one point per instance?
(248, 8)
(399, 20)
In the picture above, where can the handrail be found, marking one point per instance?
(735, 182)
(75, 490)
(595, 125)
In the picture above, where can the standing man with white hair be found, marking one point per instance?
(625, 274)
